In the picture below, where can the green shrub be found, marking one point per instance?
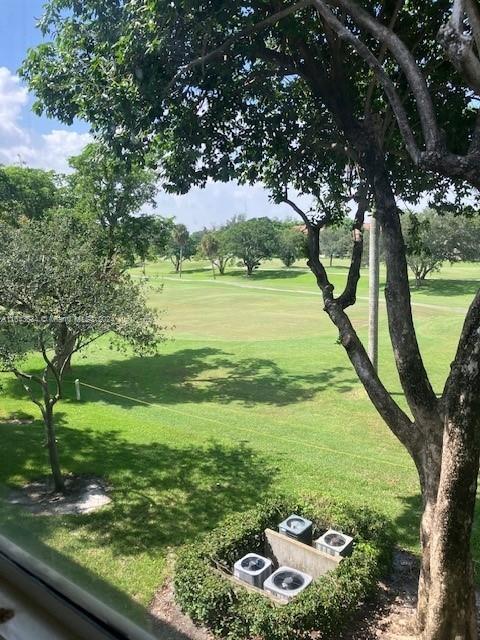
(235, 613)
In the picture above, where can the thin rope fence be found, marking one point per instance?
(255, 432)
(251, 431)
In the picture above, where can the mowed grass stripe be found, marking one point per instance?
(255, 432)
(361, 299)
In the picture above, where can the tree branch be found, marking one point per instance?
(473, 12)
(376, 66)
(349, 295)
(435, 157)
(398, 421)
(50, 366)
(244, 33)
(381, 56)
(281, 59)
(24, 377)
(81, 345)
(459, 47)
(406, 61)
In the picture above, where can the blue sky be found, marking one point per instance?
(47, 143)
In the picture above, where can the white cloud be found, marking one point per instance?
(13, 98)
(58, 146)
(18, 144)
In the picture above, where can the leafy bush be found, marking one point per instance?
(233, 612)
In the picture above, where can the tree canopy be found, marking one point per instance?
(111, 190)
(336, 241)
(180, 246)
(27, 193)
(214, 246)
(256, 118)
(291, 244)
(433, 239)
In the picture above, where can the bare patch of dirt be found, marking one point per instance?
(165, 610)
(18, 418)
(84, 494)
(391, 616)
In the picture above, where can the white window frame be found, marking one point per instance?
(74, 608)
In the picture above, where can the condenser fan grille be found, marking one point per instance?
(296, 524)
(288, 581)
(335, 540)
(253, 564)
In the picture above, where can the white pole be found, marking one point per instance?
(374, 277)
(77, 389)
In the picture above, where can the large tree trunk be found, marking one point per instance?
(451, 611)
(53, 450)
(451, 606)
(429, 473)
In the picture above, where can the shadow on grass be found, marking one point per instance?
(441, 287)
(407, 524)
(202, 375)
(162, 495)
(265, 273)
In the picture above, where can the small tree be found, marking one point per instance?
(214, 247)
(110, 190)
(180, 247)
(51, 279)
(336, 241)
(291, 245)
(252, 241)
(145, 237)
(432, 239)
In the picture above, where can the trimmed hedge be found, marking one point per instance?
(235, 613)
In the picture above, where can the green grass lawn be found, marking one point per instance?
(250, 394)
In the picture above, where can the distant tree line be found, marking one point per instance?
(105, 190)
(431, 237)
